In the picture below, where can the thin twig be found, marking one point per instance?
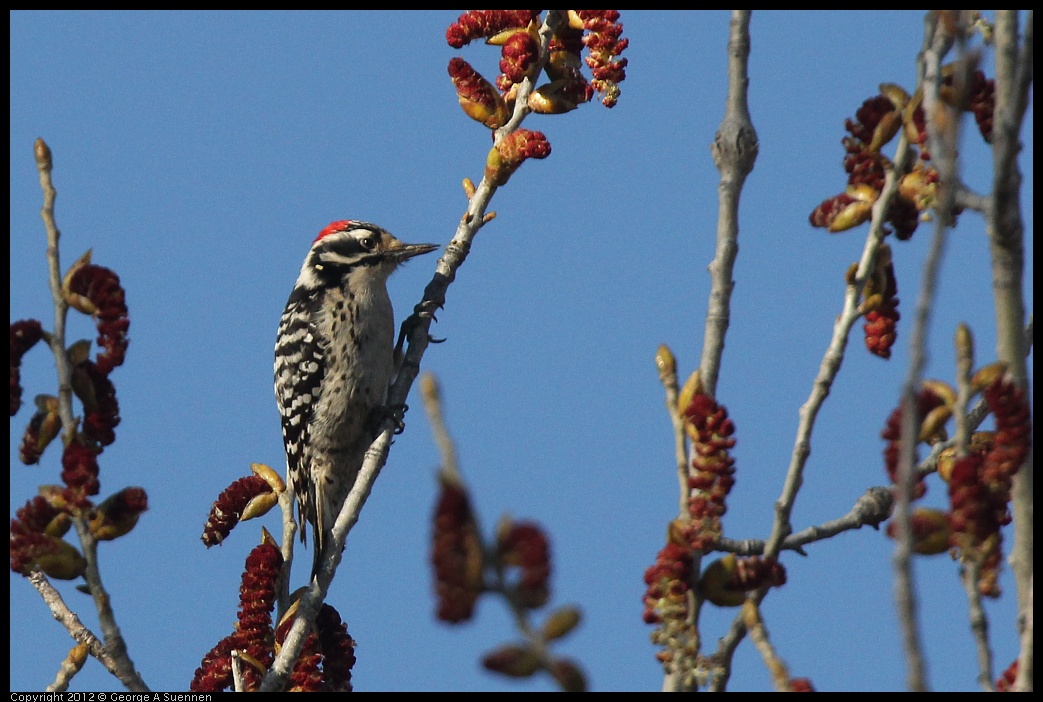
(942, 129)
(432, 396)
(44, 164)
(666, 364)
(70, 666)
(970, 575)
(759, 635)
(116, 650)
(1005, 229)
(734, 152)
(872, 508)
(67, 618)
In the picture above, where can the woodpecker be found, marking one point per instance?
(334, 360)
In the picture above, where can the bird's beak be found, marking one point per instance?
(401, 252)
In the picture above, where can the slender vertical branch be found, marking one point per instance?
(114, 642)
(941, 129)
(61, 612)
(970, 573)
(734, 151)
(971, 570)
(432, 396)
(1005, 230)
(44, 164)
(666, 364)
(115, 647)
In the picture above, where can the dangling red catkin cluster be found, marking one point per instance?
(338, 649)
(327, 654)
(604, 42)
(882, 320)
(326, 658)
(101, 411)
(229, 505)
(1013, 436)
(713, 469)
(94, 290)
(669, 581)
(80, 473)
(102, 287)
(479, 24)
(525, 546)
(24, 335)
(875, 123)
(975, 522)
(980, 484)
(926, 401)
(666, 604)
(456, 555)
(28, 540)
(253, 632)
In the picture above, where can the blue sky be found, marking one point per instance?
(198, 154)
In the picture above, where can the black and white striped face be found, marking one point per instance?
(349, 245)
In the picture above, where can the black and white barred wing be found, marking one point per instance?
(299, 369)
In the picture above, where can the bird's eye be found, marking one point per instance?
(368, 242)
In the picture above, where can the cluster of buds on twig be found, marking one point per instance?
(95, 291)
(880, 304)
(327, 657)
(726, 581)
(980, 482)
(934, 405)
(456, 554)
(876, 123)
(712, 474)
(38, 528)
(672, 589)
(669, 597)
(669, 603)
(246, 498)
(516, 565)
(517, 33)
(24, 335)
(979, 475)
(36, 541)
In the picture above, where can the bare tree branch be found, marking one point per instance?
(116, 650)
(1006, 233)
(80, 633)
